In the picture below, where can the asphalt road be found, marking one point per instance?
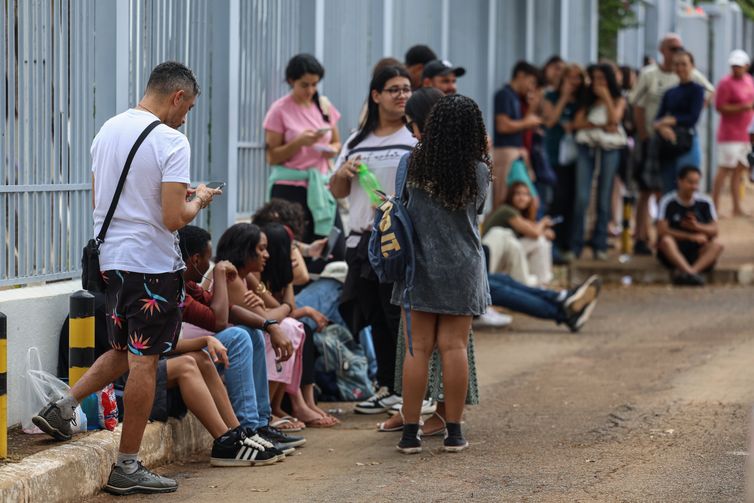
(651, 402)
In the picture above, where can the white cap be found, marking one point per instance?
(738, 58)
(335, 270)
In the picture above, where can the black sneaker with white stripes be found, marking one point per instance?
(411, 440)
(236, 449)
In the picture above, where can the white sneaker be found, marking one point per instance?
(492, 319)
(428, 407)
(382, 401)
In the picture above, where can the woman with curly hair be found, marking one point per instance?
(448, 176)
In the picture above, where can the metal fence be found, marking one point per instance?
(68, 65)
(46, 126)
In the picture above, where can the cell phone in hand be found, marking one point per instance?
(323, 130)
(216, 185)
(332, 240)
(210, 185)
(557, 220)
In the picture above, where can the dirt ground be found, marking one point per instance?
(651, 402)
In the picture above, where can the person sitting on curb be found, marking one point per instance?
(687, 230)
(199, 388)
(204, 313)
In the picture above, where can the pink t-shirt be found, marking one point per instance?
(730, 91)
(291, 119)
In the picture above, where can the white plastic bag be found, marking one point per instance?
(42, 388)
(568, 151)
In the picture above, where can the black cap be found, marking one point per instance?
(442, 67)
(419, 55)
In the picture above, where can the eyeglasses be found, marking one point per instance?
(409, 124)
(397, 91)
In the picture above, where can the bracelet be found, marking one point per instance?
(290, 307)
(267, 324)
(261, 288)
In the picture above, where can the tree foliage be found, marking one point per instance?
(747, 7)
(615, 15)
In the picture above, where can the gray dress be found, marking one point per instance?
(451, 274)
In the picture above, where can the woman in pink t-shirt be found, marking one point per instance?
(301, 136)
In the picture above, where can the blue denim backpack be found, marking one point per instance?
(391, 244)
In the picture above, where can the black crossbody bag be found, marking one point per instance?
(91, 277)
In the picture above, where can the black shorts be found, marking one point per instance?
(143, 311)
(688, 249)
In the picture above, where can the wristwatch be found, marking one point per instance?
(267, 324)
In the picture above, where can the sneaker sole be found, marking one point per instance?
(380, 410)
(455, 448)
(584, 295)
(124, 491)
(581, 321)
(224, 462)
(46, 427)
(409, 450)
(296, 443)
(288, 451)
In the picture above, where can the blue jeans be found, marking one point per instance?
(585, 167)
(246, 377)
(538, 302)
(670, 169)
(324, 296)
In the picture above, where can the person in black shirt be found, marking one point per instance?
(687, 230)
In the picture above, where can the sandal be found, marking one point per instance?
(436, 433)
(321, 422)
(288, 424)
(381, 426)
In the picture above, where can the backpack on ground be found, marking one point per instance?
(391, 244)
(341, 368)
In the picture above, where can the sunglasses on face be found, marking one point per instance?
(409, 124)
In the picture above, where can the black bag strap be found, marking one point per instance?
(122, 181)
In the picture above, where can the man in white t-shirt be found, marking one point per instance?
(140, 262)
(654, 80)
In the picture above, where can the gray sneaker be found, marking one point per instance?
(140, 481)
(51, 421)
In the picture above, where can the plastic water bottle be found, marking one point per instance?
(370, 184)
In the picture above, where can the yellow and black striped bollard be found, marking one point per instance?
(81, 335)
(3, 386)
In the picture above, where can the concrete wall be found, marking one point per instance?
(35, 315)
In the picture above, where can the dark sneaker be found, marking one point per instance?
(140, 481)
(51, 420)
(582, 295)
(411, 441)
(577, 320)
(454, 441)
(642, 248)
(268, 446)
(276, 436)
(236, 449)
(382, 401)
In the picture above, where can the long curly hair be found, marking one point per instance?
(454, 141)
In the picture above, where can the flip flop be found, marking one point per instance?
(318, 423)
(283, 423)
(381, 428)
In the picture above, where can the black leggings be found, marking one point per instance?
(307, 357)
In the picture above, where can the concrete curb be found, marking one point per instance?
(79, 468)
(646, 270)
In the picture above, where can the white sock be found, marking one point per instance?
(128, 462)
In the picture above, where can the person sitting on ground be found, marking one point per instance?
(442, 75)
(536, 237)
(416, 57)
(687, 230)
(205, 313)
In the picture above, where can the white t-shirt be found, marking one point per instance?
(137, 239)
(652, 84)
(381, 154)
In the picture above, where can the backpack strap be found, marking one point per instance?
(401, 176)
(122, 181)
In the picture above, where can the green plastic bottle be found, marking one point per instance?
(370, 184)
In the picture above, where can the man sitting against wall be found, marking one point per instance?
(687, 230)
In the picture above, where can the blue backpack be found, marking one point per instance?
(391, 244)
